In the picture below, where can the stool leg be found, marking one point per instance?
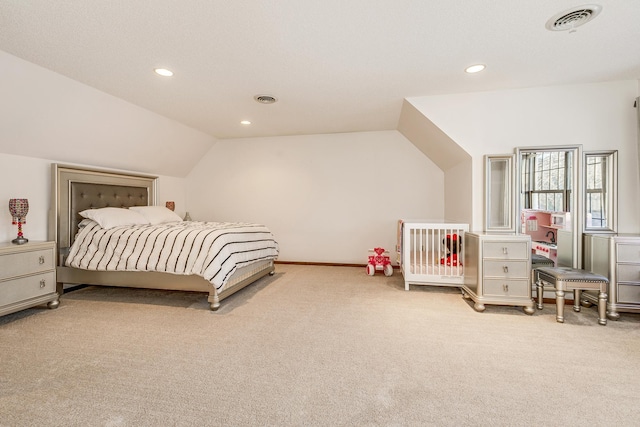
(539, 294)
(576, 300)
(560, 306)
(602, 308)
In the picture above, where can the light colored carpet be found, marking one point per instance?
(314, 346)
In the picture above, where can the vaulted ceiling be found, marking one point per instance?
(333, 65)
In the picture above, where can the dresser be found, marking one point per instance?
(497, 270)
(27, 276)
(617, 257)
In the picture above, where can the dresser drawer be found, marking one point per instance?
(21, 263)
(27, 287)
(506, 269)
(628, 252)
(506, 288)
(629, 293)
(628, 273)
(506, 250)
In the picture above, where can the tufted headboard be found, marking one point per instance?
(88, 195)
(76, 189)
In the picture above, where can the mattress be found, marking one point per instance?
(431, 263)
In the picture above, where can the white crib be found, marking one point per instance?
(431, 254)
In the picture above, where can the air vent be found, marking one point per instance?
(265, 99)
(572, 18)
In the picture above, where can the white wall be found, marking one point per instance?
(598, 116)
(46, 115)
(327, 198)
(47, 118)
(447, 155)
(458, 192)
(30, 178)
(25, 178)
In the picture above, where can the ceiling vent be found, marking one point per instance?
(572, 18)
(265, 99)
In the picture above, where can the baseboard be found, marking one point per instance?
(552, 301)
(325, 264)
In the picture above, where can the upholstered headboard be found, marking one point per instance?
(76, 189)
(91, 196)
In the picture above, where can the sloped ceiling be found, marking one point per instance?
(429, 138)
(49, 116)
(335, 66)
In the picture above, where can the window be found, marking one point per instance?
(595, 191)
(600, 191)
(546, 181)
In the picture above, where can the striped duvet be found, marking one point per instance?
(212, 250)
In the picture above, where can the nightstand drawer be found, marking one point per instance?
(506, 288)
(28, 262)
(27, 287)
(506, 269)
(628, 273)
(506, 250)
(628, 293)
(628, 253)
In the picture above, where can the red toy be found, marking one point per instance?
(453, 242)
(379, 262)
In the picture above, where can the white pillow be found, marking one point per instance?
(114, 217)
(156, 214)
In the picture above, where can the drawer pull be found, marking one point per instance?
(505, 250)
(505, 268)
(42, 283)
(41, 259)
(505, 287)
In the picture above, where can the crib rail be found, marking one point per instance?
(432, 253)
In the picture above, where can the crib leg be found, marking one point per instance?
(406, 286)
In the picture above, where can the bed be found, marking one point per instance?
(431, 253)
(77, 189)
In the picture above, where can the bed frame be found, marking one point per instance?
(75, 189)
(423, 254)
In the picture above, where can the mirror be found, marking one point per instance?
(499, 194)
(548, 207)
(600, 192)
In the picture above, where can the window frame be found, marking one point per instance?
(608, 192)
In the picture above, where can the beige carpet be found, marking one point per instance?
(317, 346)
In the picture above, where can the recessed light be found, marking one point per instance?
(245, 122)
(163, 72)
(475, 68)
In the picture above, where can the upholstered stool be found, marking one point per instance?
(538, 261)
(567, 279)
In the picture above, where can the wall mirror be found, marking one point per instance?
(499, 193)
(548, 207)
(600, 192)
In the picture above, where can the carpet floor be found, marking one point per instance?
(314, 346)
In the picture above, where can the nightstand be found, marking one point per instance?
(616, 257)
(27, 276)
(497, 270)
